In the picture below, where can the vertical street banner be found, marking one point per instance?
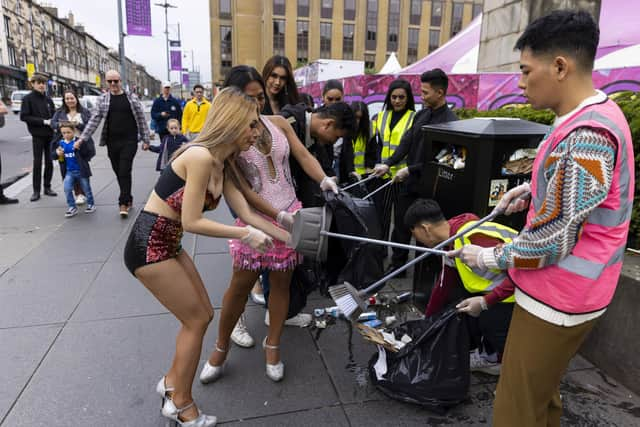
(176, 60)
(185, 80)
(138, 17)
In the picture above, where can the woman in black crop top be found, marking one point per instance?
(193, 179)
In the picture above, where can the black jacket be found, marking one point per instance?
(411, 144)
(169, 143)
(83, 155)
(36, 108)
(307, 190)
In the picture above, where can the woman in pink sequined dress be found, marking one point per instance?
(265, 167)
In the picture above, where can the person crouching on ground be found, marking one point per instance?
(74, 162)
(488, 332)
(169, 144)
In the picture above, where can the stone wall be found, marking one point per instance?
(504, 21)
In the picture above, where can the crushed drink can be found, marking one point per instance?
(373, 323)
(318, 312)
(370, 315)
(403, 297)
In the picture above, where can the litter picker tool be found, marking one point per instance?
(362, 181)
(351, 301)
(382, 187)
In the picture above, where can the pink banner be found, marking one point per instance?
(481, 91)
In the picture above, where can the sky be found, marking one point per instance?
(100, 19)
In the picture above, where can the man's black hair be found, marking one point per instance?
(423, 210)
(400, 84)
(436, 78)
(341, 113)
(574, 33)
(198, 86)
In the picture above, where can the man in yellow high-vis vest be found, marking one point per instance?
(488, 293)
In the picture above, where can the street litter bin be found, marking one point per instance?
(468, 166)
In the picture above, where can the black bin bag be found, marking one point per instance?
(433, 369)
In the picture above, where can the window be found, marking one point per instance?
(7, 26)
(225, 42)
(394, 25)
(347, 41)
(303, 41)
(325, 40)
(279, 7)
(477, 9)
(225, 9)
(303, 8)
(278, 37)
(456, 18)
(369, 61)
(412, 50)
(436, 13)
(434, 40)
(327, 9)
(13, 60)
(372, 24)
(415, 12)
(349, 10)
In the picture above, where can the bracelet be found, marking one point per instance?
(483, 304)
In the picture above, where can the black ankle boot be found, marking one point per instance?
(49, 192)
(35, 196)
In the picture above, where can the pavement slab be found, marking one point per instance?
(321, 417)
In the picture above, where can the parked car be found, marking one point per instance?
(57, 101)
(89, 101)
(16, 100)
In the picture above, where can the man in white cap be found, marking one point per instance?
(165, 107)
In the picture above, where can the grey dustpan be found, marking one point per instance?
(306, 236)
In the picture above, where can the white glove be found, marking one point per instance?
(380, 169)
(356, 175)
(329, 184)
(471, 255)
(257, 239)
(472, 306)
(285, 219)
(46, 122)
(508, 202)
(402, 174)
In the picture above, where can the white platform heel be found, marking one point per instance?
(274, 372)
(212, 373)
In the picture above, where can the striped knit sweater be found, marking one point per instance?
(579, 172)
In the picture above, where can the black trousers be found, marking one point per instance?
(401, 233)
(41, 147)
(121, 155)
(489, 330)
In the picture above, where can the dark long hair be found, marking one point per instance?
(241, 75)
(364, 127)
(64, 104)
(400, 84)
(289, 94)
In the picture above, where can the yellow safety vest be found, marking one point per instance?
(391, 139)
(474, 279)
(359, 148)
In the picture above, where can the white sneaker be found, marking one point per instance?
(240, 334)
(257, 298)
(301, 320)
(477, 363)
(81, 199)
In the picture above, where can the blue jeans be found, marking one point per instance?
(69, 179)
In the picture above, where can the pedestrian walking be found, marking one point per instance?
(75, 162)
(566, 262)
(195, 113)
(165, 107)
(4, 200)
(36, 110)
(124, 126)
(410, 154)
(169, 144)
(72, 111)
(196, 179)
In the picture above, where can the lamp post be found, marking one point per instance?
(123, 65)
(166, 7)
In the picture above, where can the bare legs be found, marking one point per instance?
(233, 304)
(178, 286)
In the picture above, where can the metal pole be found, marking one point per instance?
(166, 6)
(123, 65)
(383, 243)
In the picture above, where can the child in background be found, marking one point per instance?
(76, 168)
(169, 144)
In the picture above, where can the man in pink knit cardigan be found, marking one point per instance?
(566, 262)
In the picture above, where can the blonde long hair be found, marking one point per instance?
(228, 117)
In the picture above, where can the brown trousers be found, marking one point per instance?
(535, 359)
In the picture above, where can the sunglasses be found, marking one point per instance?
(113, 81)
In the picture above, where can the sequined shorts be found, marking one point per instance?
(153, 238)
